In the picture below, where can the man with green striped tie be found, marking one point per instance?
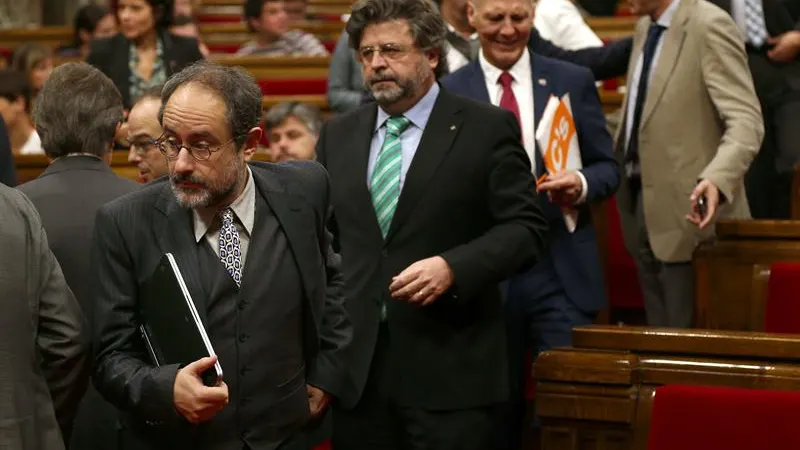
(435, 205)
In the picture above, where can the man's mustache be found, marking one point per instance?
(177, 179)
(380, 78)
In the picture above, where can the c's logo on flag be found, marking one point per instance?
(561, 133)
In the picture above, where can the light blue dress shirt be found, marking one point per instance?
(409, 140)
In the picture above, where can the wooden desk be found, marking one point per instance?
(598, 395)
(732, 271)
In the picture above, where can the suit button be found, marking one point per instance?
(244, 337)
(244, 370)
(242, 305)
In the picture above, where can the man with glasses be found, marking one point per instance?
(251, 243)
(143, 131)
(435, 205)
(68, 194)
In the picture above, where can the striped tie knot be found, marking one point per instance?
(397, 125)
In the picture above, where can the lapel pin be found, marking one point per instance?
(542, 82)
(452, 128)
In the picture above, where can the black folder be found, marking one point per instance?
(171, 328)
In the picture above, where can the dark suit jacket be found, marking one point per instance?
(773, 81)
(575, 255)
(111, 56)
(8, 173)
(43, 334)
(599, 7)
(67, 195)
(131, 235)
(469, 198)
(609, 61)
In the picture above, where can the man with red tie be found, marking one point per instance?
(566, 288)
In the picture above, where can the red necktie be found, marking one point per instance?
(508, 100)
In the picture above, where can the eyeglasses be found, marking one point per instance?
(390, 52)
(171, 148)
(142, 146)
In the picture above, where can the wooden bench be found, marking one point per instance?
(598, 395)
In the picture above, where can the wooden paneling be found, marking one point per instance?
(599, 394)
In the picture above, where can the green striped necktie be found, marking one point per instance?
(385, 185)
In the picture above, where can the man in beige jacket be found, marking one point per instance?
(692, 125)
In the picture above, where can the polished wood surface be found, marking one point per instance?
(732, 271)
(599, 394)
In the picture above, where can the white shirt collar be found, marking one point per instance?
(666, 17)
(472, 36)
(244, 208)
(521, 70)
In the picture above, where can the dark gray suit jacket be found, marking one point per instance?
(43, 335)
(67, 195)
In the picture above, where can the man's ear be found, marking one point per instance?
(251, 143)
(471, 13)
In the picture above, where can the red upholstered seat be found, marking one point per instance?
(783, 306)
(324, 446)
(294, 87)
(223, 48)
(622, 281)
(330, 46)
(717, 418)
(219, 18)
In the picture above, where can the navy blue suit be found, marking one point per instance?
(566, 288)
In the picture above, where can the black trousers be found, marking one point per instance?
(378, 422)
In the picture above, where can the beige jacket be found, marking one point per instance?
(701, 120)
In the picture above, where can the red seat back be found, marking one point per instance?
(782, 313)
(621, 279)
(717, 418)
(311, 86)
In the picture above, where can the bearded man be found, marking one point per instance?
(252, 245)
(435, 204)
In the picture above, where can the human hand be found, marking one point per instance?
(423, 282)
(194, 400)
(318, 400)
(710, 194)
(786, 47)
(563, 188)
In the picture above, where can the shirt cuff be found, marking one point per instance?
(584, 189)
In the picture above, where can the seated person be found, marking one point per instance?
(35, 60)
(270, 23)
(345, 84)
(15, 108)
(91, 22)
(186, 26)
(296, 10)
(144, 53)
(143, 131)
(187, 8)
(293, 129)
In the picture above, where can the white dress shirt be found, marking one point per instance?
(633, 86)
(522, 86)
(560, 22)
(33, 146)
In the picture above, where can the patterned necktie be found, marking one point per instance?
(756, 29)
(229, 250)
(385, 184)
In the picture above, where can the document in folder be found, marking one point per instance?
(171, 328)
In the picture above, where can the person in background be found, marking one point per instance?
(273, 36)
(44, 338)
(91, 22)
(15, 108)
(8, 171)
(293, 129)
(143, 133)
(144, 53)
(599, 7)
(68, 194)
(35, 60)
(462, 41)
(679, 149)
(186, 26)
(560, 22)
(188, 8)
(296, 10)
(345, 85)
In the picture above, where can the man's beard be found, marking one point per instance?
(212, 192)
(404, 88)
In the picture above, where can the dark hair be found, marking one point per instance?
(77, 111)
(163, 10)
(181, 20)
(253, 9)
(306, 113)
(86, 19)
(237, 88)
(151, 92)
(28, 55)
(425, 24)
(15, 85)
